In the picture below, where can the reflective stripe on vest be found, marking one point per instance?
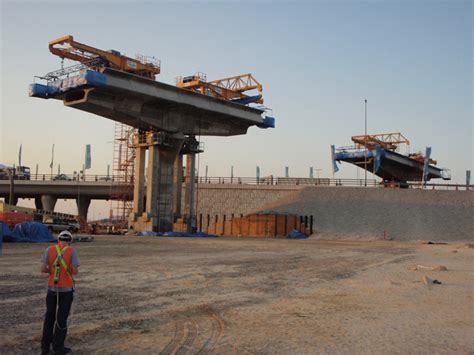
(59, 263)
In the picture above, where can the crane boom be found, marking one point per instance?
(66, 47)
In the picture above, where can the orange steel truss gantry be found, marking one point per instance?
(388, 141)
(230, 88)
(66, 47)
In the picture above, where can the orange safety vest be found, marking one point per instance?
(65, 276)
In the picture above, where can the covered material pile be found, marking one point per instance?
(29, 232)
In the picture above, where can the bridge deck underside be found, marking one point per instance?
(147, 104)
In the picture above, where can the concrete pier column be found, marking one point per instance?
(12, 201)
(166, 192)
(48, 202)
(177, 185)
(187, 180)
(139, 184)
(190, 191)
(152, 185)
(38, 203)
(83, 206)
(161, 193)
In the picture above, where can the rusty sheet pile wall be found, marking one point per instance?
(253, 225)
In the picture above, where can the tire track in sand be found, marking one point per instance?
(216, 333)
(187, 331)
(176, 340)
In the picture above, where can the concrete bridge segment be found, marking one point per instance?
(147, 104)
(152, 106)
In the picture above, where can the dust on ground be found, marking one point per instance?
(234, 295)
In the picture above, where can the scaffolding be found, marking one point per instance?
(123, 165)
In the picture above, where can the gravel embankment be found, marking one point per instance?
(346, 212)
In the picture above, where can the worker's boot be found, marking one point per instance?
(63, 351)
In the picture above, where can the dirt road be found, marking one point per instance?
(177, 296)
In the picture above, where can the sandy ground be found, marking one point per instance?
(238, 296)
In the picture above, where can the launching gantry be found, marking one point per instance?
(380, 154)
(168, 118)
(67, 48)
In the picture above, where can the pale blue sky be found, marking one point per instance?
(317, 61)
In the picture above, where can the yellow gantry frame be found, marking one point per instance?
(66, 47)
(386, 140)
(230, 88)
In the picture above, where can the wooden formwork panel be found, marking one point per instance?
(245, 226)
(260, 225)
(291, 223)
(255, 225)
(228, 228)
(235, 223)
(281, 225)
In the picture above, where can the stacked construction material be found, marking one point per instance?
(261, 225)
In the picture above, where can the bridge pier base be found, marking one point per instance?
(158, 214)
(189, 191)
(83, 204)
(139, 183)
(48, 202)
(177, 185)
(13, 201)
(164, 180)
(38, 203)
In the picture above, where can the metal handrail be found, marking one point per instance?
(263, 181)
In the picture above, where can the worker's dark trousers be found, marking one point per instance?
(51, 333)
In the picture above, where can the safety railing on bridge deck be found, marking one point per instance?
(267, 180)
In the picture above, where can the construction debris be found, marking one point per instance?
(430, 242)
(432, 268)
(428, 281)
(82, 239)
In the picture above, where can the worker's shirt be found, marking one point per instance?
(74, 262)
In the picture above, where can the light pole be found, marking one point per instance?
(52, 162)
(317, 172)
(365, 145)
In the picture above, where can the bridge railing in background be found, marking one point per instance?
(269, 180)
(66, 177)
(434, 186)
(274, 180)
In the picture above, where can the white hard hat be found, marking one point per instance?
(65, 236)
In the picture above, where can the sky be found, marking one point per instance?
(317, 61)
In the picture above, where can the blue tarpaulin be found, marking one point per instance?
(149, 234)
(296, 235)
(30, 232)
(6, 231)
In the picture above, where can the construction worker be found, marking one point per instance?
(61, 263)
